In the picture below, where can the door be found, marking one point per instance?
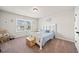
(76, 27)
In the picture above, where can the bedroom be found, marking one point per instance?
(59, 19)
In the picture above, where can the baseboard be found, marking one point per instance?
(67, 39)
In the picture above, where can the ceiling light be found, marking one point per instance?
(35, 10)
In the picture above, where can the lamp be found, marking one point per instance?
(35, 9)
(36, 12)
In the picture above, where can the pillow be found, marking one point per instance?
(47, 31)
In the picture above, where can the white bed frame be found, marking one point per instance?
(52, 27)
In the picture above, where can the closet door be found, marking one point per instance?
(76, 27)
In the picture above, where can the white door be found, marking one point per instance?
(76, 27)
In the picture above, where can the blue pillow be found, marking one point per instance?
(47, 31)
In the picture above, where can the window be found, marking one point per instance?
(23, 25)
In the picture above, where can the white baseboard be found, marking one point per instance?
(67, 39)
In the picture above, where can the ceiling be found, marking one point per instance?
(43, 10)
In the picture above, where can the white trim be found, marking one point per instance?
(67, 39)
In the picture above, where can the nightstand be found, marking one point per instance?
(30, 41)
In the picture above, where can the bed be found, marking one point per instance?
(43, 37)
(46, 34)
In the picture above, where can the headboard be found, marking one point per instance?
(51, 28)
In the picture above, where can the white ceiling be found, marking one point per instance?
(43, 10)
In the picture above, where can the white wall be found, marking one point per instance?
(64, 21)
(6, 17)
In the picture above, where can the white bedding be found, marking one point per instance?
(43, 37)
